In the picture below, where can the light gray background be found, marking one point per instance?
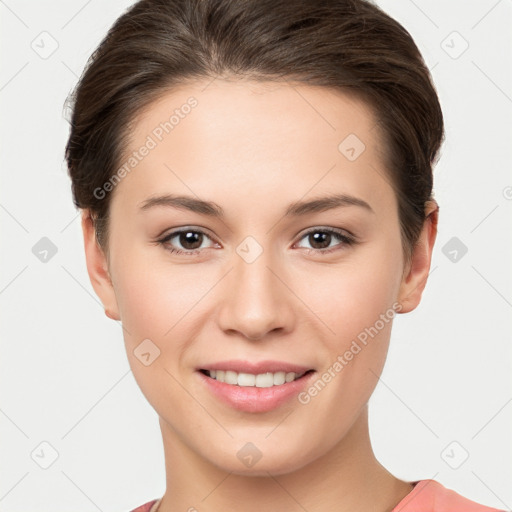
(65, 378)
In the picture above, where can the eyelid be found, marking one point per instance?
(174, 231)
(339, 231)
(164, 238)
(347, 239)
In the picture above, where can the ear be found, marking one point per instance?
(97, 268)
(416, 274)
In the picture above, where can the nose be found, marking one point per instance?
(255, 300)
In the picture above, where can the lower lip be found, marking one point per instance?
(253, 399)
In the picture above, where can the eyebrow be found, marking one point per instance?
(295, 209)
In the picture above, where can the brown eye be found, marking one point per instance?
(190, 239)
(320, 240)
(184, 241)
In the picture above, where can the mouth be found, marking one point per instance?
(249, 380)
(255, 387)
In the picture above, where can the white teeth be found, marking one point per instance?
(265, 380)
(246, 379)
(230, 378)
(262, 380)
(279, 378)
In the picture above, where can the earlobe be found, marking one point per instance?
(415, 279)
(97, 268)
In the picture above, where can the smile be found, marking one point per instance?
(252, 389)
(260, 380)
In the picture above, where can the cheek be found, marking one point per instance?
(150, 292)
(355, 301)
(357, 306)
(351, 296)
(160, 301)
(153, 303)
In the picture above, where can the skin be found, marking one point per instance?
(254, 149)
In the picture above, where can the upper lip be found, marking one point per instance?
(256, 368)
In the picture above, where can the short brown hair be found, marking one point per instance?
(349, 45)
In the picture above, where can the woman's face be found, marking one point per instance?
(271, 276)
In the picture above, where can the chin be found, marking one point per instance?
(249, 460)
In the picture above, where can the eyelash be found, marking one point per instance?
(348, 240)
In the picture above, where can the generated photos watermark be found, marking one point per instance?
(152, 141)
(355, 348)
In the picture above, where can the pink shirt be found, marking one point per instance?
(431, 496)
(426, 496)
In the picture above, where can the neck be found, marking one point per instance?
(346, 478)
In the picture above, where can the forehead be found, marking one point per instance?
(256, 111)
(250, 136)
